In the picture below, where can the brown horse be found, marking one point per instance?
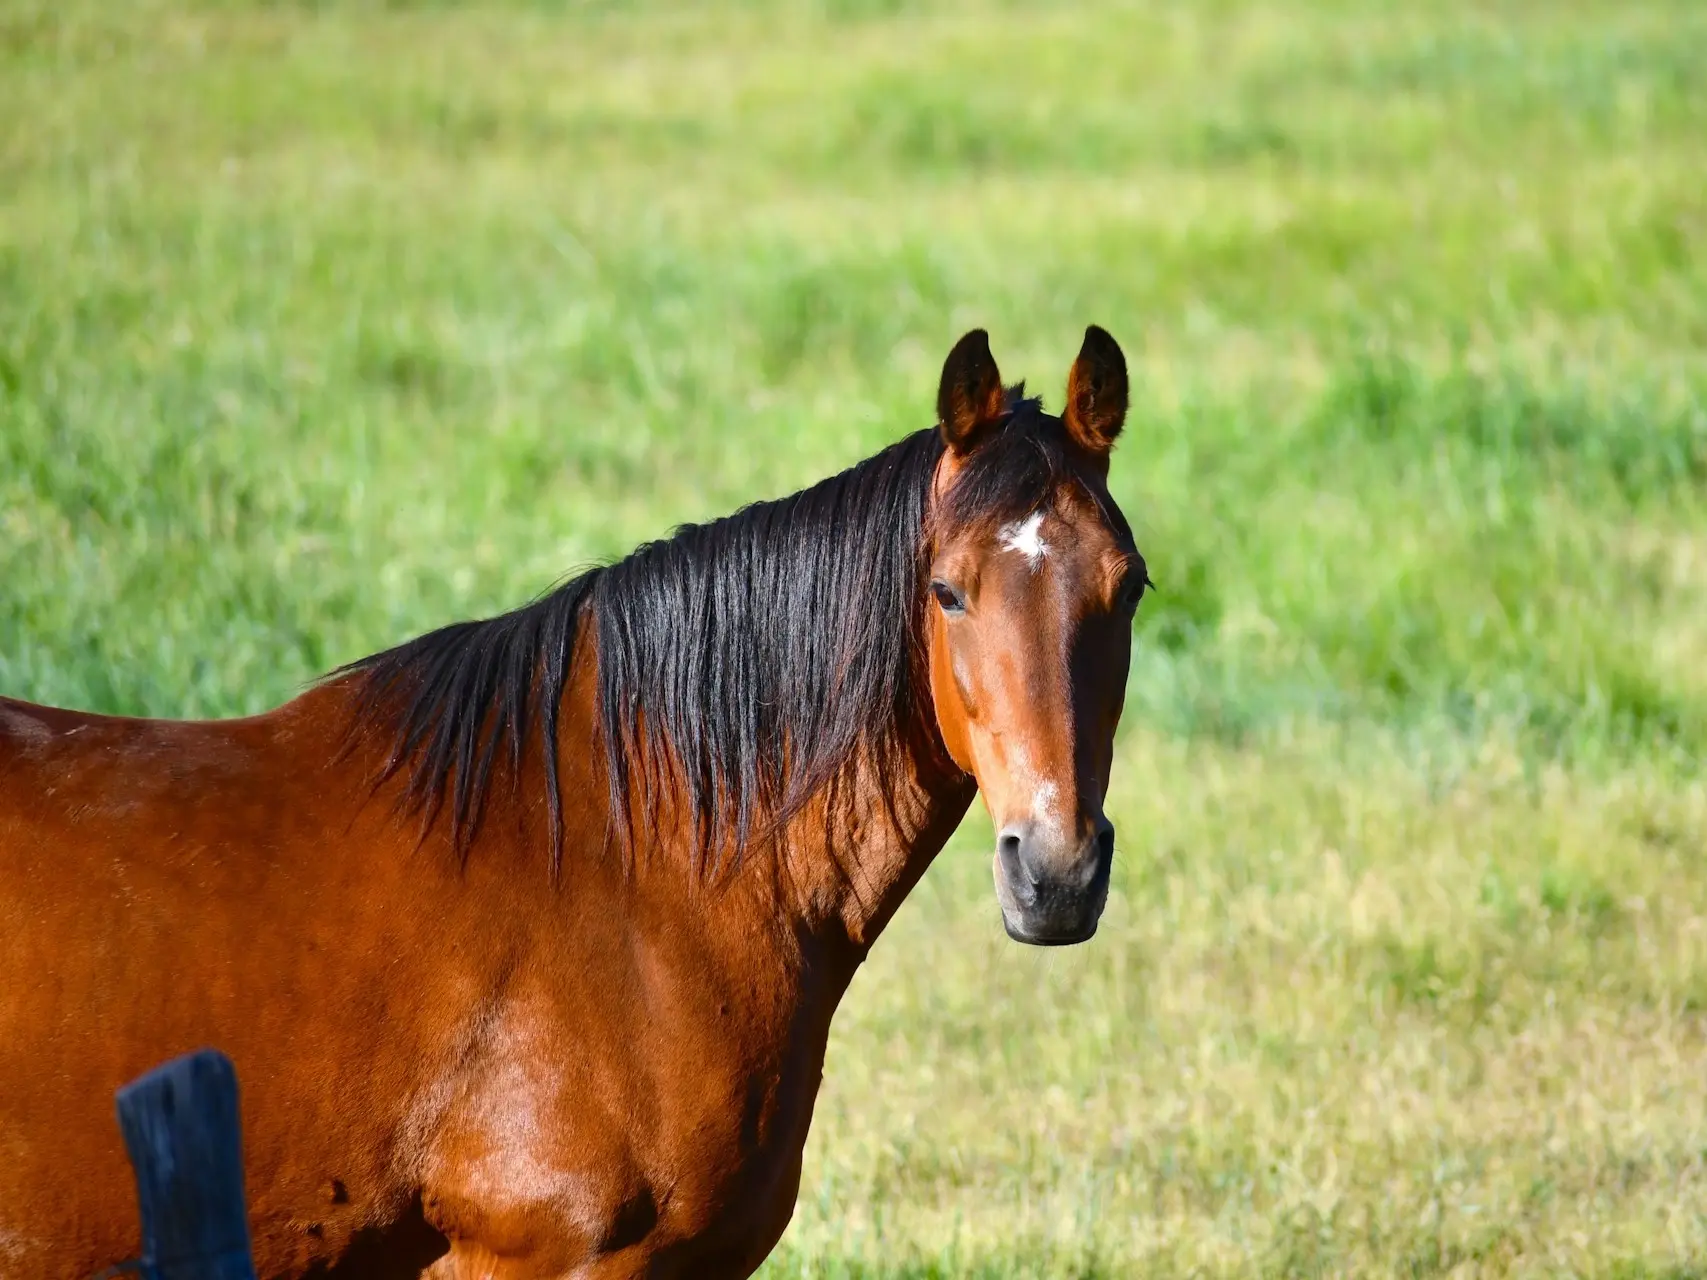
(525, 936)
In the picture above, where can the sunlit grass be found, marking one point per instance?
(321, 324)
(1346, 1017)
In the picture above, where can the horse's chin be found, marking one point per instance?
(1018, 934)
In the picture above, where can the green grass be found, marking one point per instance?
(323, 323)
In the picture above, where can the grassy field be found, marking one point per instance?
(323, 323)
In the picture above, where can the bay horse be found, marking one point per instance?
(525, 936)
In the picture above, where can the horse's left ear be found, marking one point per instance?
(969, 399)
(1096, 392)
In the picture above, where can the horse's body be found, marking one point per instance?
(454, 1062)
(405, 1030)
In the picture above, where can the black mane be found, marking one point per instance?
(759, 653)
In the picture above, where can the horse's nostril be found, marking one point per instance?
(1008, 846)
(1105, 842)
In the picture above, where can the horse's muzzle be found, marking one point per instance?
(1052, 896)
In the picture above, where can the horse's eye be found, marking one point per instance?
(952, 601)
(1132, 589)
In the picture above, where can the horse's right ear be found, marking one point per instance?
(969, 400)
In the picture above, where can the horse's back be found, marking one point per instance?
(93, 772)
(108, 824)
(163, 885)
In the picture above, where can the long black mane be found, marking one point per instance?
(758, 654)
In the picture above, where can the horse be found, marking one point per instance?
(525, 936)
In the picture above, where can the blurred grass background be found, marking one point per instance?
(324, 323)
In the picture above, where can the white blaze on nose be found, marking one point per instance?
(1043, 802)
(1027, 539)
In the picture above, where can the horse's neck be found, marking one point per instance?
(846, 862)
(841, 867)
(853, 856)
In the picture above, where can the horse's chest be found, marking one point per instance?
(687, 1144)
